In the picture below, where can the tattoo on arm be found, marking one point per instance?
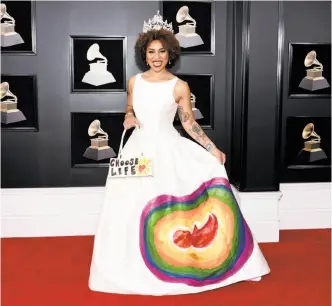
(184, 116)
(194, 129)
(209, 147)
(201, 137)
(197, 130)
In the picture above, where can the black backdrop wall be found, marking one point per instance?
(248, 62)
(310, 25)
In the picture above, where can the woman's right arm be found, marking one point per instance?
(130, 119)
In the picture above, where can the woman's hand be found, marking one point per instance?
(221, 156)
(130, 121)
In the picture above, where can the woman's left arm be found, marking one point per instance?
(182, 93)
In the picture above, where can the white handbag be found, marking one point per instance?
(132, 166)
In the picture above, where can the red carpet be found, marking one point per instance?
(54, 272)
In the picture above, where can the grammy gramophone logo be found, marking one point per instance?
(8, 35)
(187, 35)
(98, 74)
(311, 151)
(196, 111)
(99, 148)
(314, 79)
(9, 111)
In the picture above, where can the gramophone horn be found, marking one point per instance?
(183, 14)
(192, 98)
(93, 53)
(4, 14)
(5, 92)
(311, 59)
(94, 128)
(3, 10)
(4, 88)
(309, 131)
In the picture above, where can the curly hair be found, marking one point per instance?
(168, 40)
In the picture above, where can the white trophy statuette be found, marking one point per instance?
(187, 35)
(196, 111)
(98, 74)
(99, 148)
(9, 111)
(8, 35)
(314, 79)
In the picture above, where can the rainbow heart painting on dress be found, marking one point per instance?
(198, 239)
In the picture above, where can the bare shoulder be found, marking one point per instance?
(132, 79)
(131, 82)
(181, 87)
(181, 91)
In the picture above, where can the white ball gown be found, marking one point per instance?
(180, 231)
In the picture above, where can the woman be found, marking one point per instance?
(181, 230)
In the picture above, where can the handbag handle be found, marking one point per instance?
(121, 143)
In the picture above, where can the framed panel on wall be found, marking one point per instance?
(95, 138)
(193, 24)
(202, 99)
(98, 64)
(19, 107)
(308, 146)
(18, 27)
(309, 70)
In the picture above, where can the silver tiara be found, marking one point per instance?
(157, 23)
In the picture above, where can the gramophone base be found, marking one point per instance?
(189, 41)
(306, 157)
(312, 84)
(97, 79)
(12, 117)
(11, 40)
(197, 114)
(99, 154)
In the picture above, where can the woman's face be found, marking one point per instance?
(156, 56)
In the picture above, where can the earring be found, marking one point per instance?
(147, 63)
(169, 62)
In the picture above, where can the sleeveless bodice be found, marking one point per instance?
(154, 105)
